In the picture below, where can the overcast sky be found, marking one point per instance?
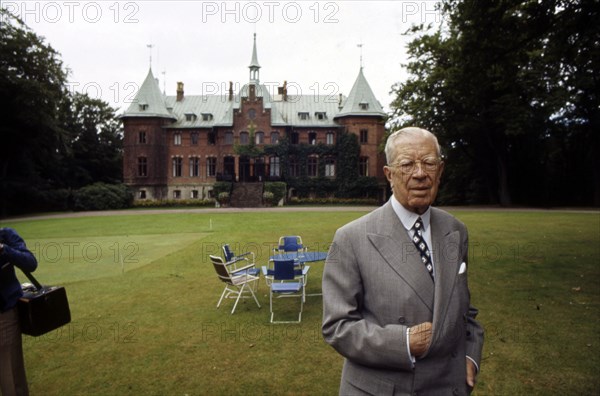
(314, 45)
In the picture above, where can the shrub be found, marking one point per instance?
(102, 196)
(268, 198)
(278, 190)
(332, 201)
(220, 187)
(170, 203)
(223, 197)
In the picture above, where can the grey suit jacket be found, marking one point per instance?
(375, 287)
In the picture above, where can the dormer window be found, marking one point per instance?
(190, 117)
(321, 115)
(207, 116)
(303, 115)
(143, 106)
(364, 105)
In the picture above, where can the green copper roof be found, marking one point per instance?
(149, 101)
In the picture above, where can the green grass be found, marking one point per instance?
(143, 298)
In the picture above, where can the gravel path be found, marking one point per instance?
(279, 209)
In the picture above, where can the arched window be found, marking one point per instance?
(275, 166)
(274, 137)
(259, 137)
(244, 138)
(330, 167)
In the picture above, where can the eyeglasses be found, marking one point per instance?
(407, 167)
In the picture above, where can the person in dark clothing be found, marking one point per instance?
(13, 252)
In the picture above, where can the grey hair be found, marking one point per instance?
(391, 144)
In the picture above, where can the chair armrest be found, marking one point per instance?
(236, 260)
(243, 268)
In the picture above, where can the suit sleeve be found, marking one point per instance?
(345, 326)
(15, 251)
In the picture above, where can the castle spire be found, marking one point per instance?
(254, 66)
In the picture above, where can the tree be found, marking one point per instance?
(52, 141)
(505, 86)
(95, 140)
(32, 86)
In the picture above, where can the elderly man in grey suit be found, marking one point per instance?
(396, 303)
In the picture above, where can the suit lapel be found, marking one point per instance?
(389, 237)
(447, 261)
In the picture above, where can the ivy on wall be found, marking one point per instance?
(347, 182)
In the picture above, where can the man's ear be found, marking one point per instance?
(387, 171)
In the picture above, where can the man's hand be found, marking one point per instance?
(419, 338)
(471, 373)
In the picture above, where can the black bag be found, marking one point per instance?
(42, 308)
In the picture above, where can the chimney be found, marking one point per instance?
(230, 91)
(340, 102)
(285, 90)
(179, 91)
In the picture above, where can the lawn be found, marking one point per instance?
(143, 297)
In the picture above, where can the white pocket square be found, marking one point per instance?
(463, 268)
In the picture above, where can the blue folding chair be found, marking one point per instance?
(285, 280)
(232, 259)
(290, 244)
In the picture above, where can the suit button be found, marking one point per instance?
(401, 320)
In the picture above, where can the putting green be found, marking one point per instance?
(64, 260)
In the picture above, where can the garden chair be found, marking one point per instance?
(237, 281)
(284, 279)
(248, 257)
(291, 243)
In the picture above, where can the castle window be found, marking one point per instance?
(143, 106)
(274, 137)
(364, 105)
(303, 115)
(142, 194)
(312, 138)
(212, 138)
(194, 136)
(330, 138)
(177, 139)
(211, 167)
(194, 166)
(228, 137)
(294, 167)
(251, 114)
(363, 166)
(364, 136)
(177, 165)
(330, 167)
(321, 115)
(194, 194)
(207, 116)
(295, 138)
(190, 117)
(176, 194)
(244, 138)
(259, 138)
(312, 166)
(275, 166)
(142, 137)
(142, 166)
